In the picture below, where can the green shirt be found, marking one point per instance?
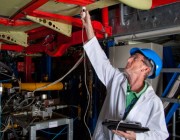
(130, 95)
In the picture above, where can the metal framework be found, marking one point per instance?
(28, 9)
(52, 24)
(77, 2)
(8, 22)
(63, 28)
(51, 124)
(58, 23)
(15, 37)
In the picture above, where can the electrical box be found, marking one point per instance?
(119, 55)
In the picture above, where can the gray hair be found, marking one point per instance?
(150, 64)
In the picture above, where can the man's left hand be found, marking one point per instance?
(130, 135)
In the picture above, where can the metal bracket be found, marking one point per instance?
(143, 21)
(63, 28)
(16, 37)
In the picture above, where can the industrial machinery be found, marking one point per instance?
(41, 44)
(23, 111)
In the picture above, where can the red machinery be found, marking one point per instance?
(39, 9)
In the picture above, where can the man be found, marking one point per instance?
(125, 87)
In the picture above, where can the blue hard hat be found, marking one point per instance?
(153, 57)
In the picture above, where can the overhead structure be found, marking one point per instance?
(25, 21)
(147, 4)
(16, 37)
(63, 28)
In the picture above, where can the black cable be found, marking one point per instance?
(13, 130)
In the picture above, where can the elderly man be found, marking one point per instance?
(129, 96)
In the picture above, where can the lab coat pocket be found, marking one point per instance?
(142, 117)
(138, 115)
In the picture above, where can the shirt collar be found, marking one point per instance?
(139, 93)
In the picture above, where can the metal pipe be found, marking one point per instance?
(105, 16)
(105, 20)
(122, 14)
(150, 34)
(174, 126)
(33, 86)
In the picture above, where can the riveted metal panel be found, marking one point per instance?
(63, 28)
(125, 20)
(19, 38)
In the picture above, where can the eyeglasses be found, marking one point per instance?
(145, 61)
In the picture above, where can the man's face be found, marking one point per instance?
(136, 64)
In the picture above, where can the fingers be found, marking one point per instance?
(129, 132)
(120, 133)
(130, 135)
(86, 20)
(83, 22)
(87, 14)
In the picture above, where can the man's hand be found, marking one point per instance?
(130, 135)
(86, 21)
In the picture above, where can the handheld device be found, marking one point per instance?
(83, 12)
(124, 126)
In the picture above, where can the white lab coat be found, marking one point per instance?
(148, 109)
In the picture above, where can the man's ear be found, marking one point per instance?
(147, 70)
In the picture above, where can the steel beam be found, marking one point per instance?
(77, 2)
(57, 17)
(62, 45)
(150, 34)
(171, 100)
(51, 124)
(16, 37)
(60, 27)
(9, 22)
(136, 21)
(98, 27)
(8, 47)
(147, 4)
(157, 3)
(28, 9)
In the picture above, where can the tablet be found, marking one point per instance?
(125, 126)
